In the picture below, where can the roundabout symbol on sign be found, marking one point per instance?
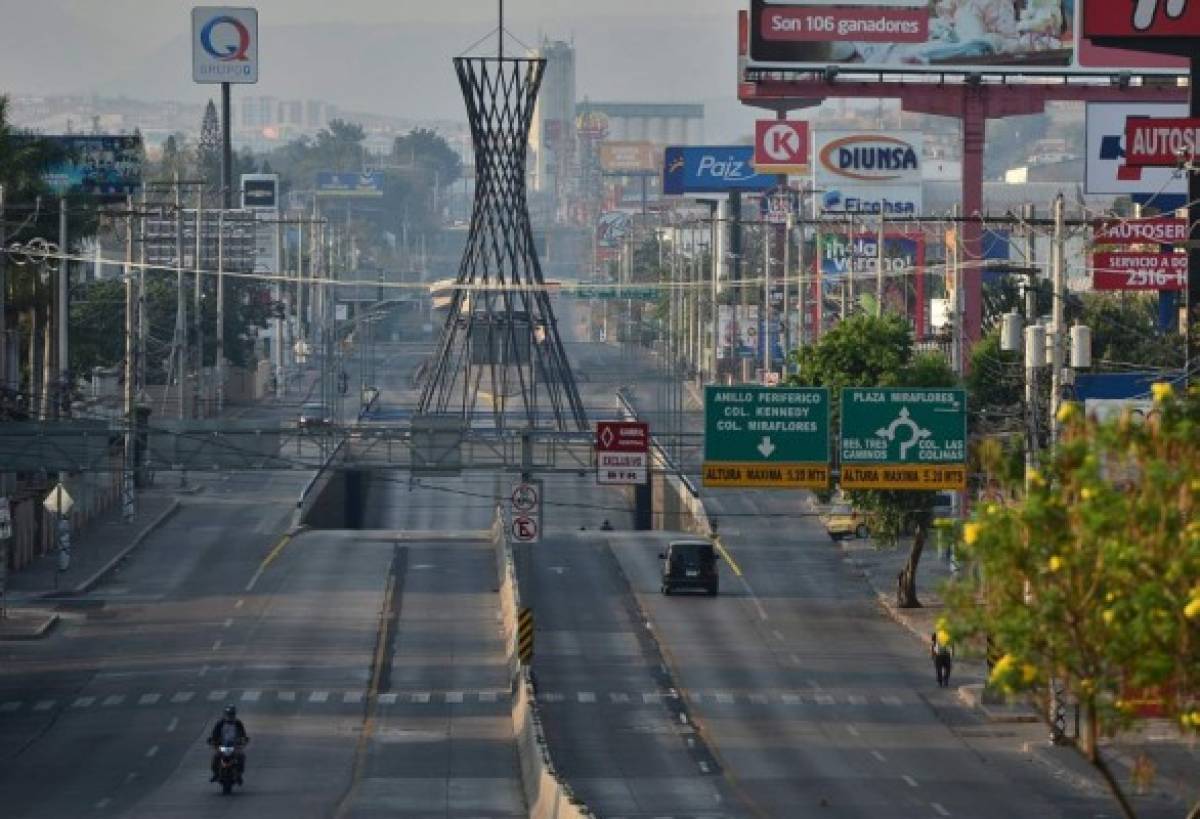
(524, 498)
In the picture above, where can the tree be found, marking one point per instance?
(866, 351)
(1093, 578)
(422, 147)
(208, 150)
(1125, 331)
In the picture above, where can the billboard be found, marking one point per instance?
(352, 184)
(950, 35)
(224, 44)
(1139, 271)
(1161, 142)
(781, 146)
(903, 266)
(738, 326)
(1141, 19)
(712, 169)
(628, 158)
(1105, 171)
(869, 172)
(260, 191)
(107, 167)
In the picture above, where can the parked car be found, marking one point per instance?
(690, 564)
(844, 521)
(314, 416)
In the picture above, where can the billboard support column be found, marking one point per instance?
(226, 150)
(974, 135)
(1193, 290)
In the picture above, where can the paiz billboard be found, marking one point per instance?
(712, 169)
(920, 35)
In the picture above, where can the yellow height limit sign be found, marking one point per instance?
(766, 437)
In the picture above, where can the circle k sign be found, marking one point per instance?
(781, 146)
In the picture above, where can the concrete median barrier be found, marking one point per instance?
(547, 795)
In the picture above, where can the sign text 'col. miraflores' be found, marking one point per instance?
(766, 437)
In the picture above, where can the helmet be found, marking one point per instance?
(230, 712)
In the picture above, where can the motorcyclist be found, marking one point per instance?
(229, 730)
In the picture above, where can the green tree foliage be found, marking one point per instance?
(1125, 332)
(995, 383)
(866, 351)
(427, 151)
(208, 150)
(1093, 579)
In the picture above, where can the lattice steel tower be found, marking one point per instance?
(500, 342)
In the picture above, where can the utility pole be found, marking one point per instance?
(198, 305)
(1057, 324)
(786, 306)
(879, 268)
(141, 295)
(1028, 214)
(954, 270)
(128, 500)
(220, 312)
(180, 300)
(280, 377)
(3, 303)
(226, 149)
(64, 301)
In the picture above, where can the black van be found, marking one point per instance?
(690, 564)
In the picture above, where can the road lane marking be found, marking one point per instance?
(203, 670)
(216, 646)
(267, 561)
(115, 699)
(724, 698)
(853, 731)
(286, 696)
(617, 697)
(129, 777)
(703, 767)
(388, 699)
(228, 622)
(11, 706)
(824, 699)
(172, 725)
(149, 699)
(318, 696)
(912, 783)
(44, 705)
(421, 697)
(357, 696)
(182, 696)
(82, 702)
(890, 699)
(489, 696)
(152, 752)
(790, 699)
(733, 564)
(251, 696)
(550, 696)
(758, 699)
(587, 696)
(651, 698)
(103, 803)
(778, 634)
(241, 602)
(856, 699)
(213, 696)
(879, 756)
(941, 811)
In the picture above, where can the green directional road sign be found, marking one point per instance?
(904, 438)
(612, 292)
(769, 437)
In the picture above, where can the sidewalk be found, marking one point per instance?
(1174, 758)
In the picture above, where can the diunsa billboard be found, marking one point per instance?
(869, 172)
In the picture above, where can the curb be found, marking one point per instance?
(37, 634)
(89, 583)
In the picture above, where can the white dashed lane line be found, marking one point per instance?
(879, 756)
(912, 783)
(940, 810)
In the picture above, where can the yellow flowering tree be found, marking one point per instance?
(1093, 578)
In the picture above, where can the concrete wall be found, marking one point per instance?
(547, 795)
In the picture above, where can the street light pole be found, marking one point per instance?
(128, 500)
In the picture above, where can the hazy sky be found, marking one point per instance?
(390, 56)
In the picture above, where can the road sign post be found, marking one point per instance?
(767, 438)
(902, 438)
(526, 508)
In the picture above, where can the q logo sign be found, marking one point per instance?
(780, 146)
(226, 53)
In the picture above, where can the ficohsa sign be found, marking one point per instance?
(869, 159)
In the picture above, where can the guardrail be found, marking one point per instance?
(547, 796)
(317, 483)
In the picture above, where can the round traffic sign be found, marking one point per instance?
(524, 529)
(524, 497)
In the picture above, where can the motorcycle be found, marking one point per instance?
(228, 766)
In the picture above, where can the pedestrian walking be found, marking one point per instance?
(942, 652)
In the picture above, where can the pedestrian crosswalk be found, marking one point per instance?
(265, 698)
